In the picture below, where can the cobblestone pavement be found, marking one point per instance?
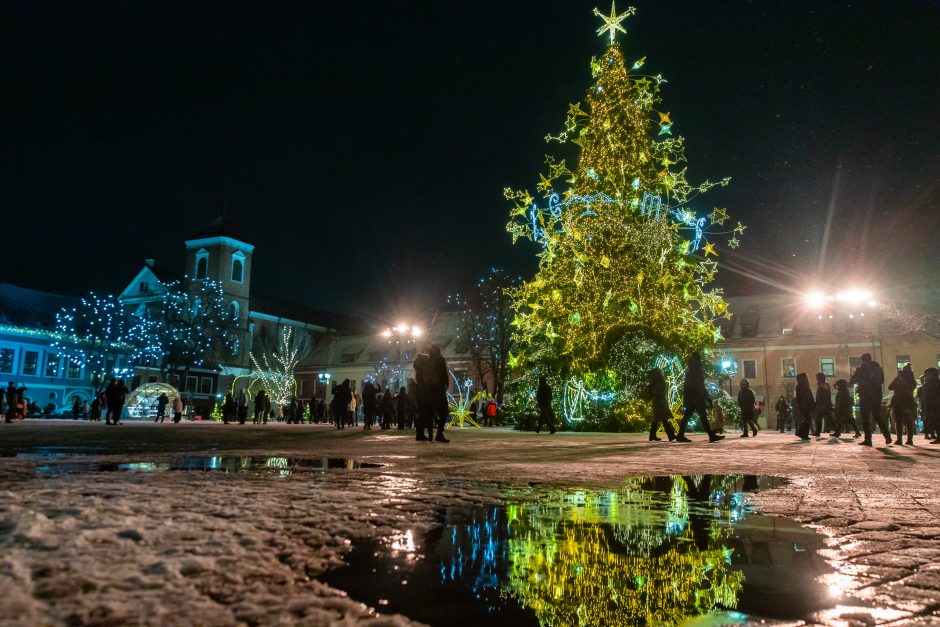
(879, 509)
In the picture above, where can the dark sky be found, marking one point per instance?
(363, 147)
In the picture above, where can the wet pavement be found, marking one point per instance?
(239, 535)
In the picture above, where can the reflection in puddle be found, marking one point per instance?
(280, 466)
(656, 551)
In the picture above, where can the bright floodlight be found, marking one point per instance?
(415, 331)
(872, 303)
(387, 333)
(726, 364)
(815, 299)
(855, 296)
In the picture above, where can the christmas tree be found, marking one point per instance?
(625, 259)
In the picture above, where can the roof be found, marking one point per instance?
(273, 306)
(221, 226)
(24, 307)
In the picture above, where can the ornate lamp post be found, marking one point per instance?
(402, 335)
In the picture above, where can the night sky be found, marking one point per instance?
(363, 147)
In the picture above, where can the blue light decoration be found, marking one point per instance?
(538, 216)
(576, 395)
(688, 218)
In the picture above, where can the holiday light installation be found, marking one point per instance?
(625, 257)
(459, 405)
(273, 370)
(93, 336)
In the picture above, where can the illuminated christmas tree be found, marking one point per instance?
(625, 256)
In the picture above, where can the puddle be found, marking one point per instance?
(660, 550)
(280, 466)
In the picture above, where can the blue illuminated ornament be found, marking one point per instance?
(689, 219)
(651, 205)
(538, 217)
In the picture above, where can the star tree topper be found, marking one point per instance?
(612, 21)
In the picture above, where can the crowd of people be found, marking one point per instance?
(813, 413)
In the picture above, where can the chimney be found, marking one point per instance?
(149, 262)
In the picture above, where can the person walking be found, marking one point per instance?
(431, 377)
(843, 417)
(823, 410)
(931, 402)
(116, 397)
(388, 409)
(806, 405)
(658, 393)
(260, 417)
(746, 402)
(902, 404)
(543, 398)
(369, 408)
(342, 396)
(783, 413)
(95, 415)
(242, 406)
(401, 407)
(109, 395)
(351, 407)
(869, 377)
(76, 408)
(695, 399)
(177, 409)
(162, 401)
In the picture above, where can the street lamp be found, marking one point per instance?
(402, 335)
(324, 379)
(730, 368)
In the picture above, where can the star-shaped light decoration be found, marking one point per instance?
(514, 361)
(719, 216)
(733, 243)
(639, 64)
(612, 21)
(739, 229)
(664, 118)
(709, 249)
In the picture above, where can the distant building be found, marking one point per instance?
(27, 331)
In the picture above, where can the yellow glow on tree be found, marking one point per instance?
(624, 262)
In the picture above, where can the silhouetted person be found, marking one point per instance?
(177, 409)
(401, 407)
(162, 401)
(261, 407)
(869, 377)
(746, 403)
(388, 409)
(543, 398)
(806, 406)
(658, 393)
(783, 414)
(11, 402)
(431, 377)
(902, 403)
(844, 409)
(115, 394)
(695, 399)
(931, 402)
(228, 409)
(823, 408)
(369, 405)
(342, 396)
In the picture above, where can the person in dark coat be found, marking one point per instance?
(401, 407)
(228, 409)
(746, 402)
(844, 409)
(931, 402)
(806, 405)
(115, 394)
(658, 393)
(388, 409)
(11, 402)
(869, 377)
(823, 410)
(95, 415)
(432, 379)
(695, 399)
(260, 414)
(902, 404)
(241, 408)
(342, 396)
(543, 399)
(783, 414)
(369, 405)
(162, 401)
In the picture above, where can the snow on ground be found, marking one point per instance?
(136, 547)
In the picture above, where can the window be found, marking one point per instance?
(52, 365)
(347, 358)
(238, 267)
(6, 359)
(750, 368)
(30, 362)
(144, 287)
(74, 370)
(205, 385)
(902, 360)
(827, 366)
(191, 384)
(202, 264)
(408, 355)
(788, 367)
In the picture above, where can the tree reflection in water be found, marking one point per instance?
(652, 551)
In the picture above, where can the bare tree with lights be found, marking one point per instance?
(94, 335)
(189, 326)
(625, 257)
(274, 361)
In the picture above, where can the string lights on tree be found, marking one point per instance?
(93, 336)
(625, 255)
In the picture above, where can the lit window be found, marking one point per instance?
(788, 367)
(74, 370)
(750, 368)
(827, 366)
(902, 360)
(6, 359)
(52, 365)
(30, 362)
